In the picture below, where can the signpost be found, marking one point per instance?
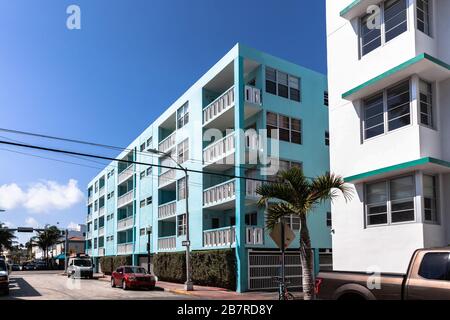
(283, 236)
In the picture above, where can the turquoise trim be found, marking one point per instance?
(400, 166)
(350, 7)
(404, 65)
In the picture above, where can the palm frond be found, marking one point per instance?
(274, 190)
(277, 211)
(328, 187)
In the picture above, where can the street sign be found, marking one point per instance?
(25, 229)
(185, 243)
(289, 235)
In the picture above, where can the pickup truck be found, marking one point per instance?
(427, 277)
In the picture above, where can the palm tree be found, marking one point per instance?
(6, 238)
(48, 238)
(298, 195)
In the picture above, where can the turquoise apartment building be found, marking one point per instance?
(244, 90)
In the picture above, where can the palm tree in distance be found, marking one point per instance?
(6, 238)
(297, 195)
(47, 238)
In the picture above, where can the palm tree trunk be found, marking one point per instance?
(306, 258)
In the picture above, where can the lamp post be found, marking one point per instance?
(188, 285)
(149, 233)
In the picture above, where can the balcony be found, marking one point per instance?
(167, 210)
(125, 199)
(168, 143)
(101, 231)
(101, 191)
(221, 106)
(125, 248)
(101, 211)
(167, 243)
(101, 252)
(254, 236)
(167, 178)
(89, 217)
(220, 196)
(125, 174)
(125, 223)
(220, 154)
(223, 237)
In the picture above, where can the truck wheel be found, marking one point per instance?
(113, 283)
(124, 285)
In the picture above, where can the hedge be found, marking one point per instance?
(209, 268)
(109, 264)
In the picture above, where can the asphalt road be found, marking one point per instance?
(51, 285)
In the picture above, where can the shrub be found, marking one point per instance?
(109, 264)
(209, 268)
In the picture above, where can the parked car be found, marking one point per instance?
(4, 277)
(28, 266)
(15, 267)
(41, 265)
(80, 267)
(427, 277)
(131, 277)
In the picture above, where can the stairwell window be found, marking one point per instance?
(325, 98)
(430, 198)
(181, 189)
(181, 221)
(183, 151)
(387, 111)
(183, 115)
(424, 16)
(426, 104)
(378, 28)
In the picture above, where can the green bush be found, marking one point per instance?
(109, 264)
(209, 268)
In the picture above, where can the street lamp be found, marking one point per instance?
(188, 285)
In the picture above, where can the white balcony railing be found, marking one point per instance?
(101, 252)
(125, 199)
(125, 174)
(250, 188)
(101, 191)
(89, 217)
(168, 143)
(254, 235)
(252, 95)
(101, 231)
(219, 193)
(125, 248)
(89, 200)
(219, 106)
(167, 177)
(101, 211)
(219, 237)
(167, 210)
(167, 243)
(89, 235)
(219, 150)
(125, 223)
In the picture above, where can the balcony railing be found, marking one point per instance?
(168, 143)
(89, 234)
(101, 191)
(250, 188)
(101, 231)
(89, 217)
(219, 193)
(219, 106)
(125, 174)
(219, 237)
(167, 177)
(125, 199)
(220, 149)
(124, 248)
(167, 243)
(101, 252)
(254, 235)
(167, 210)
(89, 200)
(125, 223)
(101, 211)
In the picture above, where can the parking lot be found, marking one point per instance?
(51, 285)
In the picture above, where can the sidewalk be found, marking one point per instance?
(212, 293)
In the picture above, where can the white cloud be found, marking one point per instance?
(74, 226)
(41, 197)
(31, 222)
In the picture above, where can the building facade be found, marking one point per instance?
(246, 90)
(389, 87)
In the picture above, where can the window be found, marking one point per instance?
(149, 171)
(289, 129)
(390, 201)
(96, 186)
(95, 224)
(142, 175)
(393, 22)
(112, 194)
(282, 84)
(90, 209)
(181, 188)
(142, 147)
(329, 221)
(149, 142)
(435, 266)
(101, 242)
(149, 200)
(423, 16)
(142, 231)
(142, 203)
(430, 198)
(95, 205)
(293, 222)
(395, 102)
(95, 243)
(183, 115)
(181, 221)
(426, 103)
(325, 98)
(183, 151)
(327, 138)
(284, 165)
(251, 219)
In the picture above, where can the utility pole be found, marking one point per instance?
(149, 233)
(66, 249)
(283, 250)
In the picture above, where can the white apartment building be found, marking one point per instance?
(389, 94)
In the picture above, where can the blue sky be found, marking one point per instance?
(108, 81)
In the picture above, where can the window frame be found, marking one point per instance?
(388, 203)
(181, 227)
(430, 17)
(183, 151)
(431, 112)
(181, 189)
(278, 127)
(436, 181)
(277, 83)
(182, 115)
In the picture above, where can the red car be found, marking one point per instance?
(130, 277)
